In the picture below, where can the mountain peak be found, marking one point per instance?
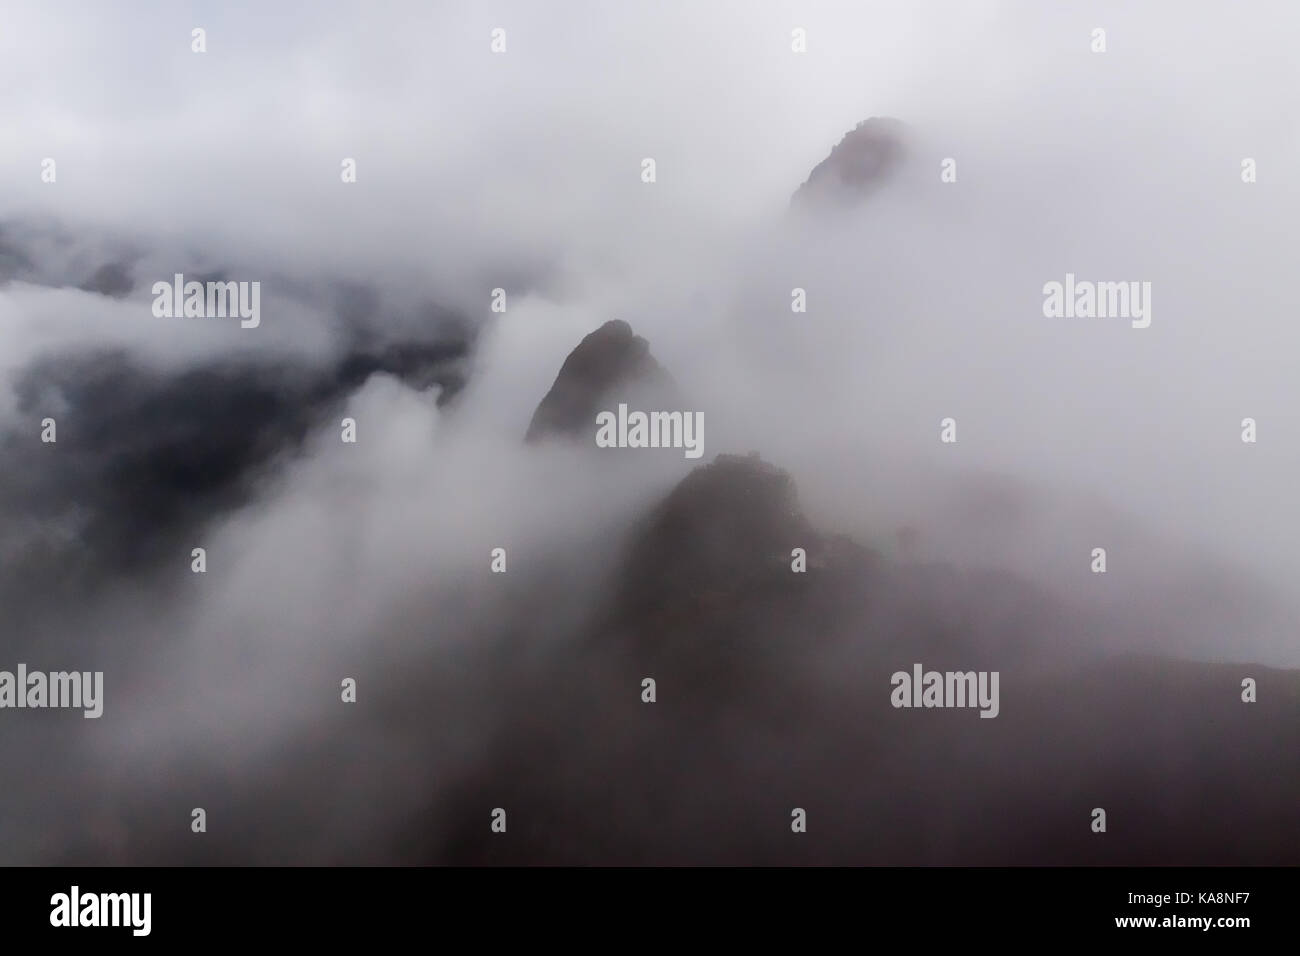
(866, 156)
(724, 527)
(606, 367)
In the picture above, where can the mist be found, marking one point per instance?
(521, 171)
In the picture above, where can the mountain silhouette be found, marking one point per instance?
(609, 366)
(773, 691)
(867, 156)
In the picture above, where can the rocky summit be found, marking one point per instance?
(868, 155)
(610, 366)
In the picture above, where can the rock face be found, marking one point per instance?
(609, 366)
(867, 156)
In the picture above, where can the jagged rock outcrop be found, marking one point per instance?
(867, 156)
(609, 366)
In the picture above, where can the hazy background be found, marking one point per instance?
(522, 170)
